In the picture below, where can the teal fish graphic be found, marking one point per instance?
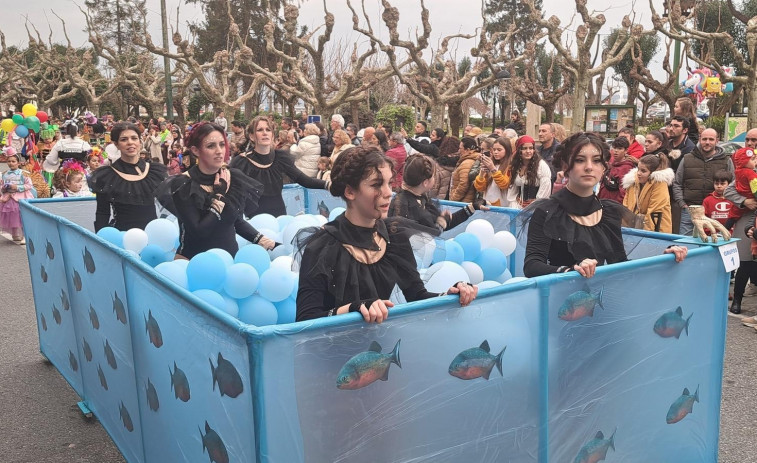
(109, 356)
(72, 361)
(56, 315)
(118, 308)
(50, 251)
(77, 281)
(596, 449)
(212, 442)
(101, 375)
(152, 396)
(227, 377)
(682, 406)
(367, 367)
(93, 318)
(31, 245)
(671, 324)
(87, 350)
(89, 263)
(44, 322)
(476, 362)
(579, 305)
(179, 383)
(153, 330)
(43, 274)
(123, 413)
(64, 300)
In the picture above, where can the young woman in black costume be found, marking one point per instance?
(353, 263)
(573, 229)
(209, 199)
(127, 187)
(269, 166)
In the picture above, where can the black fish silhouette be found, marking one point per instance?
(153, 330)
(56, 314)
(77, 281)
(87, 350)
(109, 356)
(72, 360)
(93, 318)
(323, 209)
(89, 264)
(152, 397)
(118, 308)
(50, 251)
(30, 243)
(101, 374)
(124, 414)
(43, 274)
(179, 383)
(227, 377)
(213, 443)
(64, 300)
(44, 322)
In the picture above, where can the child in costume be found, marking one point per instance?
(744, 161)
(16, 186)
(70, 181)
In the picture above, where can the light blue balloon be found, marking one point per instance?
(276, 284)
(265, 221)
(212, 298)
(152, 255)
(488, 284)
(163, 233)
(257, 311)
(232, 307)
(504, 276)
(241, 242)
(112, 235)
(22, 131)
(296, 277)
(254, 255)
(493, 262)
(227, 259)
(174, 272)
(241, 280)
(206, 271)
(471, 245)
(283, 250)
(283, 221)
(336, 212)
(183, 263)
(453, 252)
(287, 310)
(440, 252)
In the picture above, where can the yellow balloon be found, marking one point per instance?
(7, 125)
(29, 110)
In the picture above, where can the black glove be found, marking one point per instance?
(478, 202)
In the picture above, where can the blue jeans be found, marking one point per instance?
(686, 227)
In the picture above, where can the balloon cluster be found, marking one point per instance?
(30, 120)
(705, 83)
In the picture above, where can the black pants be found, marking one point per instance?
(747, 271)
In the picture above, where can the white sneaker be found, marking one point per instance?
(751, 290)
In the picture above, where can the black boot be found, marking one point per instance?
(736, 305)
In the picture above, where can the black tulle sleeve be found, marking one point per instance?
(102, 213)
(536, 262)
(313, 299)
(300, 177)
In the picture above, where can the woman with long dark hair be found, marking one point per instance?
(531, 177)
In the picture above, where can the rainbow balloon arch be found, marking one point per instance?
(626, 365)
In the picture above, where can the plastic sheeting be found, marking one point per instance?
(589, 368)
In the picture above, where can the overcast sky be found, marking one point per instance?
(447, 17)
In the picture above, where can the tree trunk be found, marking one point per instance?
(455, 117)
(549, 112)
(751, 94)
(578, 123)
(355, 112)
(437, 115)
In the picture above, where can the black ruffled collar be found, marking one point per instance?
(203, 179)
(577, 205)
(362, 237)
(123, 166)
(264, 159)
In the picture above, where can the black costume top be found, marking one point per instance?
(127, 189)
(270, 171)
(556, 240)
(190, 198)
(331, 274)
(424, 211)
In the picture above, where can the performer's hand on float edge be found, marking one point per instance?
(377, 312)
(467, 292)
(679, 251)
(586, 267)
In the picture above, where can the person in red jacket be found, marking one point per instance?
(621, 163)
(635, 148)
(716, 206)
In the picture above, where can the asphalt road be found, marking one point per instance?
(40, 422)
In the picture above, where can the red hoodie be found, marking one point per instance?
(717, 207)
(636, 150)
(612, 183)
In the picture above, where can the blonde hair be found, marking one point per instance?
(312, 129)
(341, 134)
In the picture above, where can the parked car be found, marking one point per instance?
(730, 147)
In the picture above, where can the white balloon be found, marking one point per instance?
(504, 241)
(162, 233)
(423, 248)
(271, 234)
(515, 280)
(264, 221)
(321, 220)
(483, 230)
(488, 284)
(291, 231)
(284, 262)
(336, 212)
(441, 276)
(475, 274)
(283, 250)
(504, 276)
(135, 240)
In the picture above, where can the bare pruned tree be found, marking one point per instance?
(544, 80)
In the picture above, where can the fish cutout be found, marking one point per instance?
(77, 281)
(101, 374)
(476, 362)
(118, 308)
(89, 263)
(212, 442)
(72, 361)
(579, 305)
(64, 300)
(56, 315)
(30, 245)
(50, 251)
(123, 413)
(110, 356)
(179, 383)
(87, 350)
(670, 324)
(596, 449)
(323, 209)
(43, 274)
(682, 406)
(152, 396)
(227, 377)
(93, 318)
(367, 367)
(44, 322)
(153, 330)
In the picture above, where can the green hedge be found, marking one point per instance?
(388, 116)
